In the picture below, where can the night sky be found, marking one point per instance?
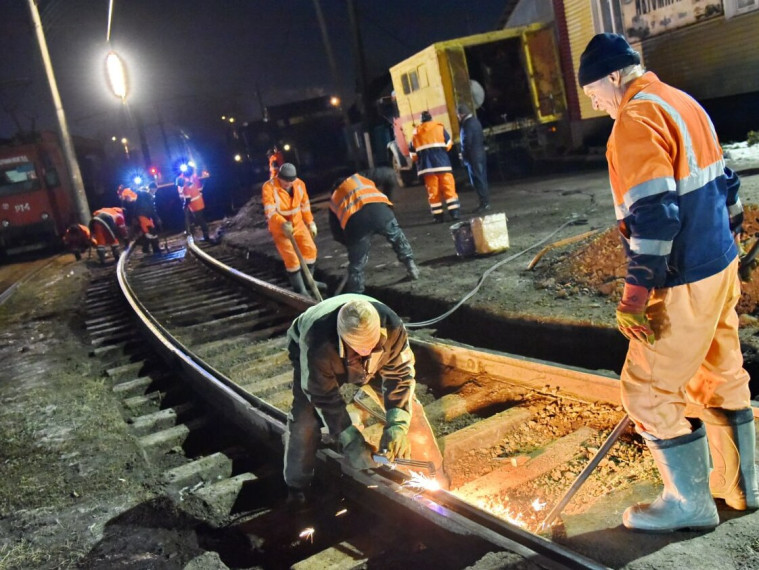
(192, 61)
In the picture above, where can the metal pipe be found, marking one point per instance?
(585, 473)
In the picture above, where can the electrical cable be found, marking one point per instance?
(574, 220)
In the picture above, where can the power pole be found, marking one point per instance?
(80, 197)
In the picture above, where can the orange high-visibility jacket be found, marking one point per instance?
(280, 206)
(353, 194)
(189, 186)
(108, 226)
(670, 187)
(429, 148)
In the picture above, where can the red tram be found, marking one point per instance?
(36, 198)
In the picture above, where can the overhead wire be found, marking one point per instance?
(574, 220)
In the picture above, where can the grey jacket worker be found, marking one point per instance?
(321, 365)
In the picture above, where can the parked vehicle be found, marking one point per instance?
(36, 198)
(512, 77)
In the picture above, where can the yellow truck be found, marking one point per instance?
(511, 76)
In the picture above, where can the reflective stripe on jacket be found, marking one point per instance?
(353, 194)
(280, 206)
(324, 364)
(670, 187)
(429, 147)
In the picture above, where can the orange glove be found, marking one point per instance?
(631, 314)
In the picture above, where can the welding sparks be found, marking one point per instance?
(421, 482)
(307, 534)
(538, 506)
(341, 512)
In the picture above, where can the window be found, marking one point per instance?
(738, 7)
(607, 17)
(16, 178)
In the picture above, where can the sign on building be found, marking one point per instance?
(646, 18)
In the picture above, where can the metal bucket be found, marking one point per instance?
(463, 239)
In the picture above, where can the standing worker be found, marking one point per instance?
(677, 208)
(288, 212)
(348, 339)
(357, 211)
(473, 155)
(276, 159)
(191, 193)
(146, 220)
(108, 229)
(429, 148)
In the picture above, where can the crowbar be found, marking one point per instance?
(585, 473)
(306, 272)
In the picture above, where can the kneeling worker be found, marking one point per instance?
(348, 339)
(357, 211)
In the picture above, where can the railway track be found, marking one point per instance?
(514, 433)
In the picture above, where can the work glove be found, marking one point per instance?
(394, 443)
(313, 229)
(631, 314)
(287, 229)
(356, 450)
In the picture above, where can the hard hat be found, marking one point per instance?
(358, 324)
(287, 172)
(426, 116)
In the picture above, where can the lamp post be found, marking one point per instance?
(80, 197)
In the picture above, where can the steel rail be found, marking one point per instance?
(257, 418)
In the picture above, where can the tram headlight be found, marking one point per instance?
(45, 216)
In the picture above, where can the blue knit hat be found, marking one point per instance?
(605, 53)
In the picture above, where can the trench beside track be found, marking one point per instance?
(220, 319)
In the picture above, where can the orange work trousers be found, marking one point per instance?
(284, 246)
(441, 189)
(696, 357)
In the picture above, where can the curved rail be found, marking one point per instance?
(257, 408)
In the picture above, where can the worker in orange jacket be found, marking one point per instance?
(108, 228)
(288, 212)
(359, 209)
(77, 239)
(190, 191)
(429, 148)
(276, 159)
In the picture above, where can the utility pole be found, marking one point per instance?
(80, 197)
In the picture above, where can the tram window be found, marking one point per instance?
(18, 178)
(51, 178)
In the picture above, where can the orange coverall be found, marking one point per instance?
(429, 149)
(281, 206)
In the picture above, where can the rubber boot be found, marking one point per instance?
(320, 285)
(101, 254)
(156, 245)
(732, 443)
(686, 501)
(296, 282)
(412, 270)
(438, 218)
(116, 252)
(455, 214)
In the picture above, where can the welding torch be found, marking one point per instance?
(384, 460)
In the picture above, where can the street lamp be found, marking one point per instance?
(117, 75)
